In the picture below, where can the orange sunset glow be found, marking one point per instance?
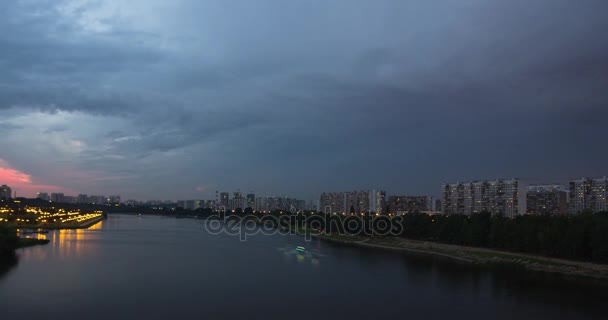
(22, 182)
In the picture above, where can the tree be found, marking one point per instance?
(8, 242)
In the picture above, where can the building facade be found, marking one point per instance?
(378, 201)
(43, 196)
(357, 202)
(547, 200)
(588, 194)
(238, 201)
(6, 192)
(224, 200)
(499, 197)
(332, 203)
(57, 197)
(251, 200)
(400, 205)
(268, 204)
(354, 202)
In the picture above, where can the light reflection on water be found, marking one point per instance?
(66, 243)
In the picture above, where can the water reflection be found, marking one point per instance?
(65, 243)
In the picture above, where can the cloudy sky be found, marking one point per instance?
(174, 99)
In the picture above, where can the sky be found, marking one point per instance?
(172, 100)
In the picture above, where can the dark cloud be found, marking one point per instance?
(302, 97)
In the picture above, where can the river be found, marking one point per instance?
(129, 267)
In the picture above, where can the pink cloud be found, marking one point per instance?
(23, 182)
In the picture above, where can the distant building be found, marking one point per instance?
(400, 205)
(83, 198)
(251, 200)
(43, 196)
(588, 194)
(547, 200)
(97, 199)
(499, 197)
(437, 207)
(354, 202)
(267, 204)
(300, 205)
(70, 199)
(378, 201)
(238, 202)
(207, 204)
(6, 192)
(57, 197)
(357, 202)
(333, 203)
(225, 200)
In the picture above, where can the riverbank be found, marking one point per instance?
(475, 255)
(83, 225)
(58, 226)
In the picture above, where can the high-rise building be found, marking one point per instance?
(57, 197)
(208, 204)
(238, 202)
(97, 199)
(225, 200)
(333, 203)
(354, 202)
(6, 192)
(547, 200)
(43, 196)
(70, 199)
(251, 200)
(83, 198)
(279, 203)
(357, 202)
(504, 197)
(408, 204)
(378, 201)
(588, 194)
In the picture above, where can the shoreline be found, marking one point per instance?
(82, 225)
(479, 256)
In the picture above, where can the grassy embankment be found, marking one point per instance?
(474, 255)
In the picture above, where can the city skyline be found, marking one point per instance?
(505, 197)
(178, 99)
(211, 195)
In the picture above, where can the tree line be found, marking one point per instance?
(579, 237)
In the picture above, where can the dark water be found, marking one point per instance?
(153, 267)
